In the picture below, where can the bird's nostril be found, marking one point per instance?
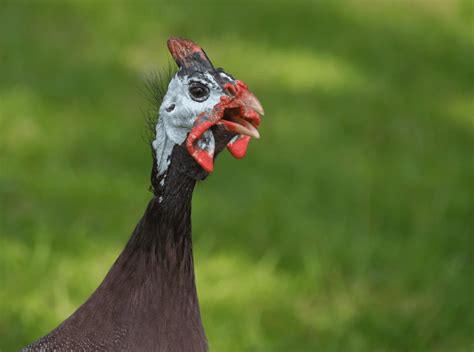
(231, 89)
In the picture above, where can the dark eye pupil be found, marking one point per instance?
(199, 92)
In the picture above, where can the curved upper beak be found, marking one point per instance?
(243, 110)
(251, 102)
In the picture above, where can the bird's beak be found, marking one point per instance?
(243, 120)
(239, 111)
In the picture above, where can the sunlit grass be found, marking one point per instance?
(461, 109)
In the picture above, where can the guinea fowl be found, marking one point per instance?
(148, 299)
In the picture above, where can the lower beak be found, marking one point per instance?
(237, 124)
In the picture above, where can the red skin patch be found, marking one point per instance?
(238, 148)
(205, 121)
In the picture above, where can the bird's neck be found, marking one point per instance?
(150, 293)
(160, 249)
(157, 266)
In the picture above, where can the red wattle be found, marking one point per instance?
(238, 148)
(204, 159)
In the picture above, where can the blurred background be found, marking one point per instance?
(348, 226)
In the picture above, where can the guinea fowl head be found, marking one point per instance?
(204, 110)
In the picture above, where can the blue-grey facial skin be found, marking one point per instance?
(180, 109)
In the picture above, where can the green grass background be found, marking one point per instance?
(349, 225)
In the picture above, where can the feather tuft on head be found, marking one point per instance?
(154, 90)
(155, 87)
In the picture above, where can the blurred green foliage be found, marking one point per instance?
(349, 225)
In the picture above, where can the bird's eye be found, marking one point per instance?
(198, 91)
